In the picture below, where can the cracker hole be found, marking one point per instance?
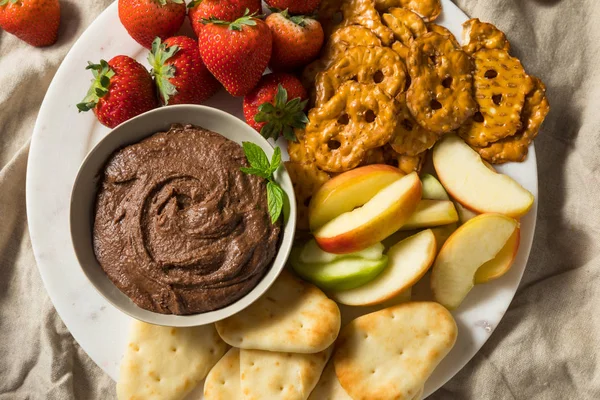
(354, 78)
(433, 59)
(497, 99)
(435, 105)
(307, 201)
(370, 116)
(378, 76)
(490, 74)
(407, 124)
(478, 117)
(447, 82)
(344, 119)
(334, 144)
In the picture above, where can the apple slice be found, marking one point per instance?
(409, 260)
(340, 274)
(312, 254)
(470, 182)
(349, 190)
(500, 264)
(466, 250)
(430, 213)
(464, 214)
(381, 216)
(432, 188)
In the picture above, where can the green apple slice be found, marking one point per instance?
(312, 254)
(342, 274)
(432, 188)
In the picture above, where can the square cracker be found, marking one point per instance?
(389, 354)
(292, 316)
(167, 363)
(280, 376)
(223, 381)
(329, 388)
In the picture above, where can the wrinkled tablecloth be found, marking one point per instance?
(548, 344)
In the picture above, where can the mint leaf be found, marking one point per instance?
(256, 156)
(275, 161)
(254, 171)
(275, 200)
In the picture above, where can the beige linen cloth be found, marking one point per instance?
(548, 344)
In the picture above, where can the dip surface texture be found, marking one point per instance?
(178, 227)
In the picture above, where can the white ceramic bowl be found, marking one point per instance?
(83, 198)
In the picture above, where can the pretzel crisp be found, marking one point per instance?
(440, 96)
(341, 39)
(362, 12)
(442, 30)
(429, 10)
(406, 25)
(501, 85)
(409, 137)
(358, 118)
(379, 66)
(479, 35)
(515, 148)
(307, 179)
(387, 155)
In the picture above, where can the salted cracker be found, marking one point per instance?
(293, 316)
(167, 363)
(223, 381)
(389, 354)
(280, 376)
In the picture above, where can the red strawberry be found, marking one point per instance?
(121, 89)
(33, 21)
(179, 73)
(268, 110)
(147, 19)
(225, 10)
(295, 6)
(297, 40)
(236, 53)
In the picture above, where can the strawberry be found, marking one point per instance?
(297, 40)
(33, 21)
(236, 53)
(147, 19)
(179, 73)
(295, 6)
(225, 10)
(268, 110)
(121, 89)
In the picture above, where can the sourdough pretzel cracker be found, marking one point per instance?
(404, 163)
(409, 137)
(479, 35)
(406, 25)
(441, 93)
(515, 148)
(402, 50)
(429, 10)
(442, 30)
(379, 66)
(501, 85)
(358, 118)
(307, 179)
(362, 12)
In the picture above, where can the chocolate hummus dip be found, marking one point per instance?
(178, 227)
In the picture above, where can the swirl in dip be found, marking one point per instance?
(178, 227)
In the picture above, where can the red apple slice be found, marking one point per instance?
(381, 216)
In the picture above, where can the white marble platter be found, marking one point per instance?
(62, 138)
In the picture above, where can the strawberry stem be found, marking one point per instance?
(282, 116)
(247, 19)
(161, 71)
(100, 85)
(194, 3)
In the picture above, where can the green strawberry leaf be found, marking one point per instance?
(5, 2)
(282, 116)
(164, 2)
(99, 87)
(275, 196)
(194, 3)
(246, 20)
(161, 70)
